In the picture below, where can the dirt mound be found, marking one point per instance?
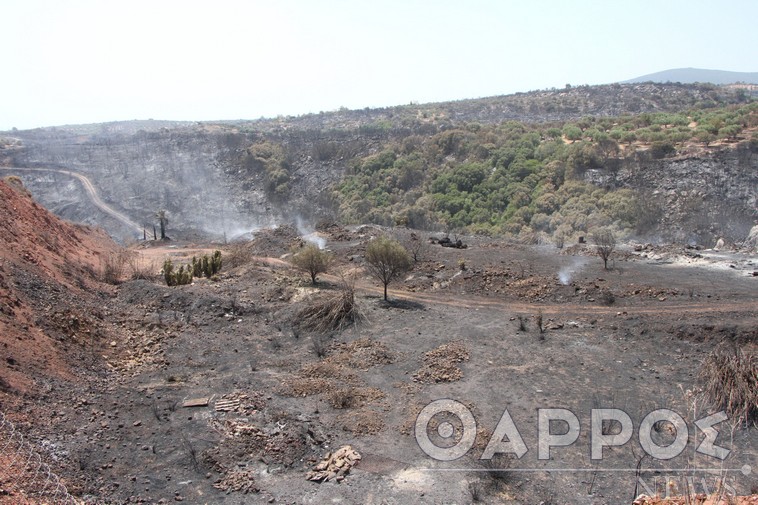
(50, 318)
(276, 241)
(441, 364)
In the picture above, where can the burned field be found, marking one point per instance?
(223, 391)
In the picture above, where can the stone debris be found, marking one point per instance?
(441, 364)
(335, 466)
(227, 405)
(196, 402)
(240, 481)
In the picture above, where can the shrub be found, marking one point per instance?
(661, 149)
(176, 277)
(238, 254)
(139, 269)
(207, 266)
(605, 242)
(331, 313)
(342, 398)
(113, 267)
(730, 377)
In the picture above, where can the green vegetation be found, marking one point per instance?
(176, 277)
(207, 266)
(528, 179)
(311, 260)
(387, 260)
(271, 161)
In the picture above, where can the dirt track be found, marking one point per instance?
(365, 286)
(91, 192)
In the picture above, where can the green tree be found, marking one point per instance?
(572, 132)
(387, 260)
(312, 260)
(705, 137)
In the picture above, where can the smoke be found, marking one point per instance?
(309, 234)
(241, 233)
(567, 272)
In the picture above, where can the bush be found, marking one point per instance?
(730, 377)
(139, 269)
(176, 277)
(661, 149)
(238, 254)
(113, 267)
(331, 313)
(207, 266)
(605, 242)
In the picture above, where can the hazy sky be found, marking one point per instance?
(71, 61)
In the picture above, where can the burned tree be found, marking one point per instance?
(162, 217)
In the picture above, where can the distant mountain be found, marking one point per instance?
(691, 75)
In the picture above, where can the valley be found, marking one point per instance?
(226, 390)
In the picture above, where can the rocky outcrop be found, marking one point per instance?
(751, 242)
(703, 196)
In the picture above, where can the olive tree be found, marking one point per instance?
(605, 242)
(312, 260)
(387, 260)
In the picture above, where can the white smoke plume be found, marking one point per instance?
(309, 234)
(567, 272)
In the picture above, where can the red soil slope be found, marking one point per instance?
(48, 293)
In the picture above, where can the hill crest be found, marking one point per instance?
(697, 75)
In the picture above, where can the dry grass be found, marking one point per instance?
(730, 378)
(141, 268)
(238, 254)
(113, 266)
(331, 312)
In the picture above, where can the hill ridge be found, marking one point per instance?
(691, 75)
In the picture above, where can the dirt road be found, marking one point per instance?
(91, 191)
(476, 302)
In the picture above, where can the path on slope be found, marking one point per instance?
(91, 191)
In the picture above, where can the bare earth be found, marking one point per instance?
(210, 394)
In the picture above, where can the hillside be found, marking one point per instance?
(603, 152)
(50, 271)
(693, 75)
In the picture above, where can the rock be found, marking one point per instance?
(335, 466)
(751, 242)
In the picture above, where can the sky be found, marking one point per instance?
(76, 61)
